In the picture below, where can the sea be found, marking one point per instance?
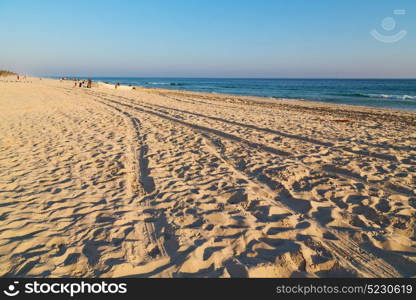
(385, 93)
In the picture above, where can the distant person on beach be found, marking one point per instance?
(89, 83)
(117, 85)
(18, 77)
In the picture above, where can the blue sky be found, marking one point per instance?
(207, 38)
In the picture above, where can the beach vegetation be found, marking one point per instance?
(4, 73)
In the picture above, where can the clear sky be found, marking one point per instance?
(207, 38)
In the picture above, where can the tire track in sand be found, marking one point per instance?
(141, 185)
(346, 251)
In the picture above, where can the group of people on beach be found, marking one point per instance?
(79, 83)
(88, 83)
(83, 83)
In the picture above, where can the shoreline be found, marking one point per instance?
(288, 103)
(408, 116)
(264, 98)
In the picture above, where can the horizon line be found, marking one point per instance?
(201, 77)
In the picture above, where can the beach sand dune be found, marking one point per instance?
(155, 183)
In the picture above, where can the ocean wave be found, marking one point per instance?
(157, 83)
(384, 96)
(354, 95)
(398, 97)
(165, 83)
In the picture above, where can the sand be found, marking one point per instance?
(154, 183)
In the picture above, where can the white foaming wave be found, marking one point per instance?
(158, 83)
(399, 97)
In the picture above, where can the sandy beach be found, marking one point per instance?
(106, 182)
